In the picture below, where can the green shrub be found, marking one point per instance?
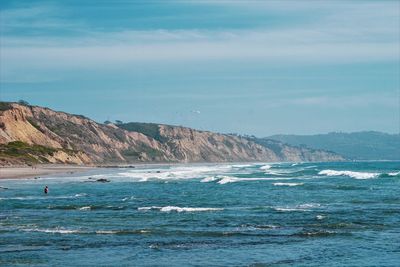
(5, 106)
(149, 129)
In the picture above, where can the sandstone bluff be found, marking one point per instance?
(32, 134)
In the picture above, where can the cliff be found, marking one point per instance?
(32, 134)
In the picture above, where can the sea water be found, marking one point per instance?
(256, 214)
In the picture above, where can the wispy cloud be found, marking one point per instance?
(36, 19)
(346, 32)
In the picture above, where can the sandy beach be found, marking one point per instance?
(40, 170)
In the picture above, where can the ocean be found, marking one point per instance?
(256, 214)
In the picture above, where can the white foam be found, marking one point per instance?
(52, 231)
(173, 173)
(84, 208)
(288, 209)
(209, 179)
(394, 173)
(309, 167)
(128, 198)
(320, 217)
(352, 174)
(287, 184)
(230, 179)
(276, 172)
(259, 227)
(243, 165)
(106, 232)
(301, 207)
(148, 208)
(265, 167)
(309, 205)
(178, 209)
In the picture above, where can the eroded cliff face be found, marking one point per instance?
(77, 139)
(93, 142)
(195, 146)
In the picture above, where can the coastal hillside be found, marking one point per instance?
(33, 134)
(367, 145)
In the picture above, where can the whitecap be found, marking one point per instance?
(394, 173)
(288, 209)
(148, 208)
(174, 173)
(178, 209)
(230, 179)
(309, 205)
(128, 198)
(209, 179)
(309, 167)
(265, 167)
(320, 217)
(301, 207)
(352, 174)
(84, 208)
(52, 231)
(242, 166)
(287, 184)
(106, 232)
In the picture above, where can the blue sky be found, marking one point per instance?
(255, 67)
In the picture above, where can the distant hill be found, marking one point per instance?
(367, 145)
(32, 134)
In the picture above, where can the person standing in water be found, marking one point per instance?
(46, 189)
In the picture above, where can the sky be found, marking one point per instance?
(247, 67)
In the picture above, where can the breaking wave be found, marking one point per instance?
(394, 173)
(178, 209)
(175, 173)
(302, 207)
(352, 174)
(287, 184)
(230, 179)
(209, 179)
(52, 231)
(85, 208)
(265, 167)
(120, 232)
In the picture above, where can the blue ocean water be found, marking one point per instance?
(276, 214)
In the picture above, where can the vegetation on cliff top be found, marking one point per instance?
(27, 153)
(5, 106)
(149, 129)
(108, 143)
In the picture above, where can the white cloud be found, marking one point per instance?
(339, 102)
(348, 33)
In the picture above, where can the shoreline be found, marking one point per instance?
(42, 170)
(24, 172)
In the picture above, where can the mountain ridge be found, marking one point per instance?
(34, 134)
(363, 145)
